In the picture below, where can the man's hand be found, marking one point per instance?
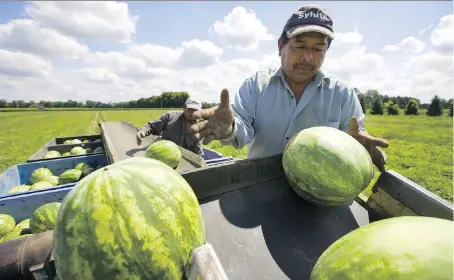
(370, 143)
(139, 136)
(217, 123)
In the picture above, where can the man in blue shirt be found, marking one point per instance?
(274, 105)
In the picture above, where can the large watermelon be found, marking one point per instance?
(43, 218)
(99, 150)
(53, 180)
(165, 151)
(52, 154)
(69, 176)
(7, 224)
(404, 248)
(18, 189)
(326, 166)
(134, 219)
(40, 174)
(77, 151)
(67, 154)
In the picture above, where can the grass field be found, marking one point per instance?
(421, 147)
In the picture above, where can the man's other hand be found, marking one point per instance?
(371, 144)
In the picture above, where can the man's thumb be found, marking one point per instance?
(225, 102)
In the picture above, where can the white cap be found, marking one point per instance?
(192, 103)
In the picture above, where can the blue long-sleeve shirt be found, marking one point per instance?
(267, 115)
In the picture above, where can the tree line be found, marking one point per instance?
(376, 104)
(371, 101)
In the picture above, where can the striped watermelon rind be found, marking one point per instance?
(69, 176)
(43, 218)
(40, 174)
(406, 248)
(41, 185)
(165, 151)
(134, 219)
(18, 189)
(327, 166)
(7, 224)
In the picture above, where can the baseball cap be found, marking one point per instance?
(310, 18)
(192, 103)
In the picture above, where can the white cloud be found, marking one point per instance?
(442, 36)
(412, 67)
(19, 64)
(240, 29)
(98, 20)
(27, 36)
(409, 46)
(198, 53)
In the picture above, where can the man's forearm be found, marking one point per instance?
(148, 129)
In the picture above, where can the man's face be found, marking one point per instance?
(303, 55)
(191, 114)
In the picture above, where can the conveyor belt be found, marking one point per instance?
(120, 143)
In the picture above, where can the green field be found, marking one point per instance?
(421, 147)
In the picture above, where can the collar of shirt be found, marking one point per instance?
(318, 79)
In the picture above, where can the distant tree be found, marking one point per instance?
(377, 106)
(435, 108)
(451, 105)
(412, 107)
(362, 101)
(393, 109)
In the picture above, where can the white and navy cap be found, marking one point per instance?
(192, 103)
(310, 18)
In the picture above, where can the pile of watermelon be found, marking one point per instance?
(75, 151)
(43, 177)
(78, 141)
(165, 151)
(42, 219)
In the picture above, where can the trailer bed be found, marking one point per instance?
(266, 231)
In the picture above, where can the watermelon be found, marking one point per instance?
(86, 141)
(67, 142)
(69, 176)
(43, 218)
(77, 151)
(81, 166)
(15, 233)
(134, 219)
(25, 224)
(52, 154)
(88, 150)
(405, 248)
(165, 151)
(99, 150)
(53, 180)
(7, 224)
(40, 174)
(87, 171)
(327, 166)
(41, 185)
(97, 140)
(76, 141)
(18, 189)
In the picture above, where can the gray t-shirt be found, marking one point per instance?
(171, 126)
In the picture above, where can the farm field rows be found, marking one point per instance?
(420, 146)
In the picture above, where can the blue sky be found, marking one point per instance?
(168, 24)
